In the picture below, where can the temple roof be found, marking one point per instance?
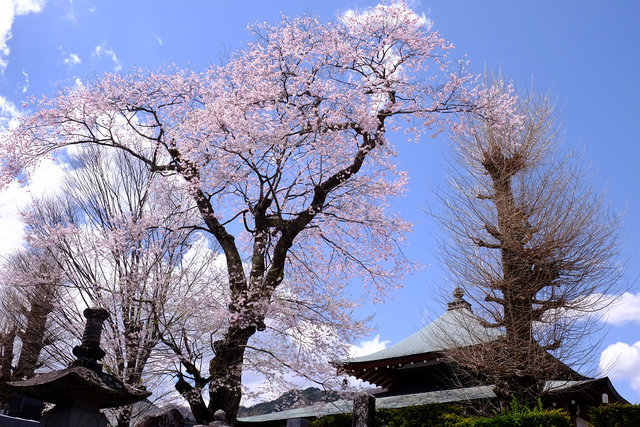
(457, 327)
(572, 389)
(422, 352)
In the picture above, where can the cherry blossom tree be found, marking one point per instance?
(284, 152)
(123, 248)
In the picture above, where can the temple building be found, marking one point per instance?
(416, 371)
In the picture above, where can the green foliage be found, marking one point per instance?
(414, 416)
(337, 420)
(547, 418)
(517, 416)
(615, 415)
(443, 415)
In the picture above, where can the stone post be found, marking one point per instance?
(364, 410)
(219, 420)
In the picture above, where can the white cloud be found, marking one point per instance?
(254, 389)
(158, 39)
(103, 50)
(72, 60)
(45, 179)
(617, 310)
(8, 114)
(22, 7)
(621, 361)
(625, 310)
(365, 348)
(9, 9)
(368, 347)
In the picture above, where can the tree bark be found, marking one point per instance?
(225, 369)
(194, 399)
(33, 335)
(6, 347)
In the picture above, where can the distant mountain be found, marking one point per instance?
(290, 400)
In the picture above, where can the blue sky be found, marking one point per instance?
(585, 54)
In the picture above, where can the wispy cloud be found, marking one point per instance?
(72, 60)
(25, 87)
(625, 310)
(8, 12)
(103, 50)
(71, 15)
(158, 39)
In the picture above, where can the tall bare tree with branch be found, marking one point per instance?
(531, 244)
(29, 296)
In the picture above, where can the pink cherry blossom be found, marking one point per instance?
(284, 152)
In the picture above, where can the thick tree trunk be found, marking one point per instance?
(517, 289)
(6, 358)
(196, 403)
(33, 335)
(225, 368)
(520, 382)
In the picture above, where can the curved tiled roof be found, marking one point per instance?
(457, 327)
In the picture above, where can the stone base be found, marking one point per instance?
(72, 416)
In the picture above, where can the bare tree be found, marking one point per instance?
(535, 250)
(29, 295)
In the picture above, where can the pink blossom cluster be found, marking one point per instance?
(283, 152)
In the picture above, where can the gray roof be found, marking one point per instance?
(457, 327)
(317, 410)
(346, 405)
(401, 401)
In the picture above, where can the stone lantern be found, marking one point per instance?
(80, 391)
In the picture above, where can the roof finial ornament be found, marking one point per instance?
(458, 301)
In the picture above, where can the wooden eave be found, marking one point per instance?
(382, 372)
